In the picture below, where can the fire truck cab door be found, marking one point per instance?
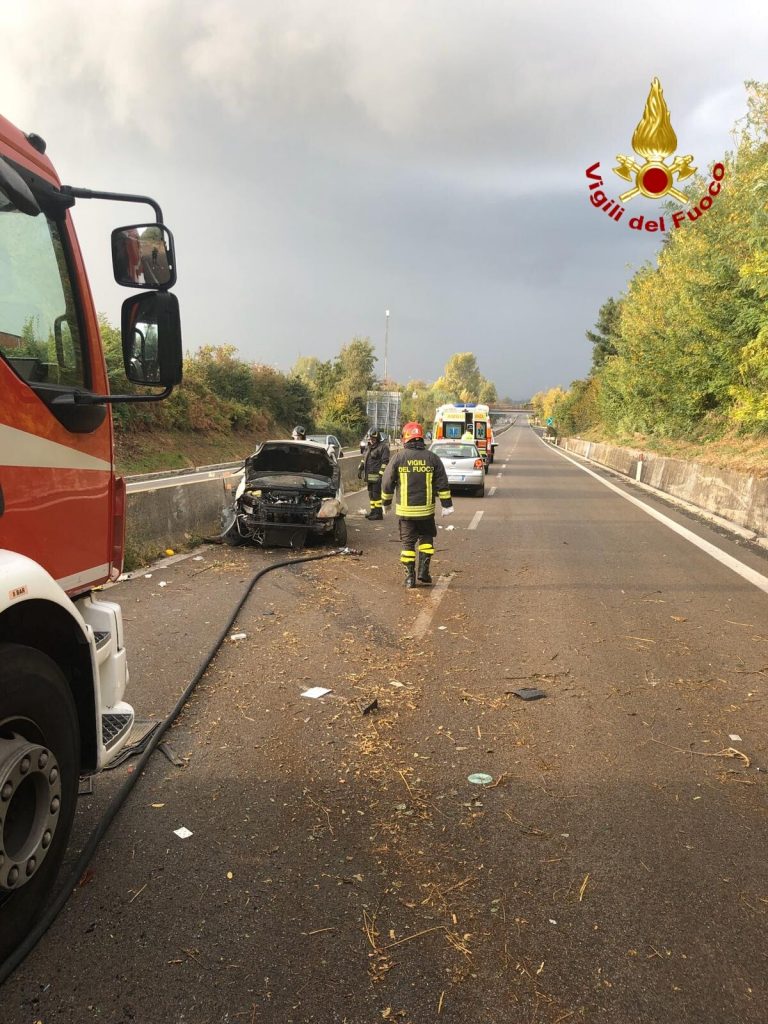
(55, 459)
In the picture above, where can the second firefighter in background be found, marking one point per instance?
(371, 469)
(419, 477)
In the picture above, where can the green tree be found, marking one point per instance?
(461, 379)
(355, 364)
(606, 333)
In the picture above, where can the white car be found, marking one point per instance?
(328, 441)
(463, 464)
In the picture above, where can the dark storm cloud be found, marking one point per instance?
(321, 162)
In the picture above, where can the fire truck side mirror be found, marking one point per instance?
(151, 333)
(143, 256)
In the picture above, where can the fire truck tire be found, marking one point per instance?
(39, 770)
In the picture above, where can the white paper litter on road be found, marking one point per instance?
(238, 636)
(395, 682)
(734, 736)
(197, 558)
(442, 627)
(183, 832)
(162, 583)
(147, 575)
(316, 691)
(451, 527)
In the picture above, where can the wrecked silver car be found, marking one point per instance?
(290, 491)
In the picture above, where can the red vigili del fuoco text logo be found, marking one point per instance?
(654, 140)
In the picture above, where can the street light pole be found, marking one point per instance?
(386, 344)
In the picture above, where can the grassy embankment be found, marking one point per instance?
(740, 454)
(154, 450)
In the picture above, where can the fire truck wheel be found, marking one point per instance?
(39, 769)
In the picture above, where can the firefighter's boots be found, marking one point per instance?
(424, 561)
(410, 576)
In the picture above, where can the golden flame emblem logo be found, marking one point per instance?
(654, 139)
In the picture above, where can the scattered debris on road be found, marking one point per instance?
(529, 693)
(183, 832)
(480, 779)
(170, 753)
(316, 691)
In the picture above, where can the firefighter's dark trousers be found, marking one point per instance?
(374, 490)
(416, 534)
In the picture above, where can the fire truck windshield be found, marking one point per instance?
(39, 333)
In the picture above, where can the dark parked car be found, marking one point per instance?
(290, 490)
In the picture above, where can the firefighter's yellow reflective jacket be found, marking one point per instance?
(419, 477)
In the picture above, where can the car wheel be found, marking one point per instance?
(340, 532)
(480, 491)
(230, 533)
(39, 770)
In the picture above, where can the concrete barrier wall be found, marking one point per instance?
(737, 497)
(172, 516)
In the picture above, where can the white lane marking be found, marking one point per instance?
(475, 520)
(746, 572)
(491, 492)
(424, 617)
(498, 474)
(504, 466)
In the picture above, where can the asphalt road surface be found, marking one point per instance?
(341, 866)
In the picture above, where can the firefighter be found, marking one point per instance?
(371, 469)
(419, 476)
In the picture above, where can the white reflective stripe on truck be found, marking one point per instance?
(20, 448)
(98, 572)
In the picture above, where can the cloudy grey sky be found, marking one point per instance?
(320, 161)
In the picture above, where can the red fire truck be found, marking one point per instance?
(62, 656)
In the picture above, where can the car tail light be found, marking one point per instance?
(478, 463)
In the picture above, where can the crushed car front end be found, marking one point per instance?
(290, 491)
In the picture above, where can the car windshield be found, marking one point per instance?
(455, 451)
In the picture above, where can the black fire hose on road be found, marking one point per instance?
(113, 807)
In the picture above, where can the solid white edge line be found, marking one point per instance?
(475, 520)
(746, 572)
(424, 617)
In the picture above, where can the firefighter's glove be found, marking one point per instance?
(448, 511)
(361, 471)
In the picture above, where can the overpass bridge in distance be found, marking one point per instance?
(505, 410)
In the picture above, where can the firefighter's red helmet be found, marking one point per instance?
(411, 431)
